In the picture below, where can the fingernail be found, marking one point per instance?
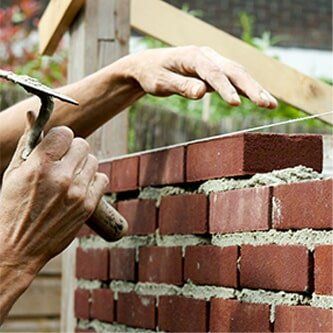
(235, 98)
(264, 97)
(195, 91)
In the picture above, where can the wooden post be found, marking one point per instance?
(99, 35)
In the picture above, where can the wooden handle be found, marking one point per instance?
(107, 222)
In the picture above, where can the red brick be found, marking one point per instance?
(124, 174)
(82, 330)
(240, 210)
(211, 265)
(141, 216)
(160, 265)
(81, 303)
(303, 205)
(229, 315)
(162, 167)
(274, 267)
(102, 305)
(85, 231)
(183, 214)
(136, 311)
(105, 168)
(323, 259)
(92, 264)
(122, 264)
(302, 319)
(251, 153)
(180, 314)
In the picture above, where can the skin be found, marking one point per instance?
(59, 187)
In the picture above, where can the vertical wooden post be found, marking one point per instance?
(99, 35)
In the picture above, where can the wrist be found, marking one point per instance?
(126, 71)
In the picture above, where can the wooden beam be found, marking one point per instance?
(175, 27)
(98, 36)
(55, 21)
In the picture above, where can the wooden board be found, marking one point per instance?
(98, 36)
(175, 27)
(55, 21)
(37, 325)
(42, 298)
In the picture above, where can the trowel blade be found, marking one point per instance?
(34, 86)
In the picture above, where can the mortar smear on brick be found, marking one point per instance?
(154, 193)
(276, 177)
(101, 327)
(307, 237)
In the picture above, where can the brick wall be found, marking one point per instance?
(218, 241)
(305, 24)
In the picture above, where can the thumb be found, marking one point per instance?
(188, 87)
(17, 157)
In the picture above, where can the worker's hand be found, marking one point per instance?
(191, 71)
(45, 200)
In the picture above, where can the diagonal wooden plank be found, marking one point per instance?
(175, 27)
(55, 21)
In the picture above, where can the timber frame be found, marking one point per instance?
(153, 17)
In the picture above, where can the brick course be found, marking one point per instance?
(137, 311)
(274, 267)
(92, 264)
(187, 252)
(162, 167)
(140, 215)
(183, 214)
(302, 319)
(161, 265)
(323, 261)
(211, 265)
(102, 305)
(181, 314)
(233, 316)
(303, 205)
(240, 210)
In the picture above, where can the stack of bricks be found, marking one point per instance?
(255, 259)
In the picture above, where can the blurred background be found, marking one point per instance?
(297, 32)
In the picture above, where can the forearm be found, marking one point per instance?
(101, 96)
(13, 283)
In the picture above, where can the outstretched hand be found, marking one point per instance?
(191, 71)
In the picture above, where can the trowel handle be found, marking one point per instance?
(107, 222)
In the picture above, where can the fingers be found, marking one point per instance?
(17, 157)
(76, 156)
(81, 182)
(217, 70)
(185, 86)
(96, 191)
(55, 144)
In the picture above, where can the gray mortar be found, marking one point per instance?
(180, 240)
(277, 177)
(88, 284)
(206, 292)
(154, 193)
(96, 242)
(271, 298)
(101, 327)
(307, 237)
(121, 286)
(322, 301)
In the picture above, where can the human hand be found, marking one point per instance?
(191, 71)
(45, 200)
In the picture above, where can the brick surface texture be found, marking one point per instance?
(227, 261)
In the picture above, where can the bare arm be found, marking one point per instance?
(188, 71)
